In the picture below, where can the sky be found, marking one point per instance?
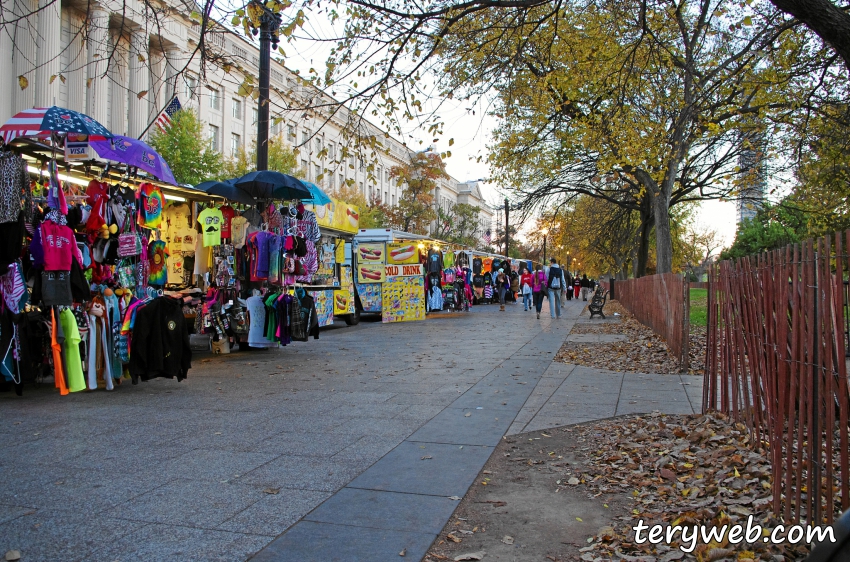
(471, 134)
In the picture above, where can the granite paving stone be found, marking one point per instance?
(274, 513)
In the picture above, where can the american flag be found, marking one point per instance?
(164, 119)
(487, 237)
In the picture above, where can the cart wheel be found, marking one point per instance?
(353, 319)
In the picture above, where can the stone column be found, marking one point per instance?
(49, 40)
(75, 73)
(118, 88)
(97, 82)
(173, 65)
(139, 81)
(158, 96)
(24, 54)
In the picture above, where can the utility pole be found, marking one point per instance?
(269, 23)
(507, 231)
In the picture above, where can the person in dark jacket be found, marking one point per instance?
(160, 342)
(585, 286)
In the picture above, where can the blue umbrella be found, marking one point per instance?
(227, 190)
(267, 184)
(319, 197)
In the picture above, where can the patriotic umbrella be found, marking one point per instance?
(42, 122)
(134, 152)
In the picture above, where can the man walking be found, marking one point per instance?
(554, 286)
(585, 287)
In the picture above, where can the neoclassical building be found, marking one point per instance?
(121, 62)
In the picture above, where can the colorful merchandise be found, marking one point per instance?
(158, 260)
(227, 214)
(210, 220)
(150, 204)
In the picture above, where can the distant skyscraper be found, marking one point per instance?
(753, 175)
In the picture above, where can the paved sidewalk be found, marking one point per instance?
(345, 448)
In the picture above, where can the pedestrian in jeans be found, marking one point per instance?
(538, 288)
(525, 282)
(585, 287)
(555, 285)
(503, 285)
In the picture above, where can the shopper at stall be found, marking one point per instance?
(555, 285)
(538, 288)
(525, 285)
(503, 285)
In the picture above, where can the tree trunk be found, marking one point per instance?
(646, 224)
(663, 239)
(828, 21)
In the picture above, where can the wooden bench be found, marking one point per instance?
(600, 297)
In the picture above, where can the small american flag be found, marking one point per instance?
(164, 119)
(487, 237)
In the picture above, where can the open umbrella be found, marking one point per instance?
(318, 197)
(42, 122)
(267, 184)
(134, 152)
(227, 190)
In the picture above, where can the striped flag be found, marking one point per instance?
(164, 119)
(27, 123)
(487, 237)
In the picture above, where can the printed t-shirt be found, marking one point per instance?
(158, 263)
(175, 266)
(56, 342)
(238, 230)
(150, 200)
(76, 381)
(227, 214)
(203, 256)
(486, 265)
(176, 217)
(210, 220)
(59, 245)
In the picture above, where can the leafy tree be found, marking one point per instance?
(415, 209)
(184, 147)
(459, 224)
(773, 227)
(281, 159)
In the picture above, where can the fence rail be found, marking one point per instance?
(661, 302)
(775, 361)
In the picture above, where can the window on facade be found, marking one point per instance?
(318, 143)
(236, 108)
(305, 136)
(331, 151)
(215, 99)
(380, 176)
(361, 164)
(393, 199)
(290, 132)
(331, 181)
(275, 125)
(386, 198)
(255, 115)
(387, 173)
(304, 167)
(317, 171)
(191, 85)
(360, 186)
(214, 140)
(341, 180)
(235, 144)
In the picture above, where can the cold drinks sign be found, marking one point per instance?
(404, 270)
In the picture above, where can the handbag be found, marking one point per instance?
(288, 265)
(56, 288)
(129, 241)
(126, 271)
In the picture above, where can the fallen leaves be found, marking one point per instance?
(507, 539)
(272, 491)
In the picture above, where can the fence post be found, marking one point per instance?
(686, 326)
(611, 290)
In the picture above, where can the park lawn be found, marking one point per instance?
(699, 307)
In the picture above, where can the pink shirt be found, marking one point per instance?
(59, 246)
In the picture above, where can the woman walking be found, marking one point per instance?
(538, 288)
(503, 285)
(525, 283)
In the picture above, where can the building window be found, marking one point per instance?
(385, 199)
(304, 167)
(275, 125)
(331, 181)
(387, 173)
(341, 180)
(236, 108)
(331, 151)
(305, 136)
(380, 176)
(215, 99)
(255, 115)
(360, 186)
(361, 165)
(191, 85)
(235, 144)
(393, 199)
(317, 171)
(214, 145)
(290, 132)
(318, 143)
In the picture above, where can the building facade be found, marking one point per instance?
(122, 62)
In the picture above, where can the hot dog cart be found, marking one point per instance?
(388, 275)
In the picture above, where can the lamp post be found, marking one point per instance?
(545, 231)
(269, 23)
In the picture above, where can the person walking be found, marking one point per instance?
(585, 287)
(568, 288)
(525, 283)
(503, 285)
(576, 286)
(555, 285)
(538, 288)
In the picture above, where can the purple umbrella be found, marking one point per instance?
(134, 152)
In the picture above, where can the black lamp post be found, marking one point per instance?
(269, 23)
(545, 232)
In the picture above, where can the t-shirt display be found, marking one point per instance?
(227, 214)
(238, 230)
(175, 218)
(210, 220)
(158, 263)
(150, 201)
(73, 362)
(58, 244)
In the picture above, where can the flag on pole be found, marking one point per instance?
(164, 119)
(487, 237)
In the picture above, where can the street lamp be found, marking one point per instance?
(545, 231)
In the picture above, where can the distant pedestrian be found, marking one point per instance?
(525, 285)
(503, 285)
(515, 286)
(568, 287)
(576, 286)
(538, 288)
(555, 285)
(585, 287)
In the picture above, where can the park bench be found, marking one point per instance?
(600, 297)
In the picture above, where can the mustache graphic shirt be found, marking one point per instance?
(211, 222)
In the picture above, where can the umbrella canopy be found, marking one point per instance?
(227, 190)
(134, 152)
(42, 122)
(267, 184)
(319, 197)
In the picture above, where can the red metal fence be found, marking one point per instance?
(661, 302)
(776, 362)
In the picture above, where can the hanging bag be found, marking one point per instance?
(126, 271)
(129, 241)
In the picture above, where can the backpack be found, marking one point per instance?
(555, 277)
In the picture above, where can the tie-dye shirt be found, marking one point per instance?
(150, 202)
(158, 261)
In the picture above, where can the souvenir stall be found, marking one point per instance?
(84, 264)
(485, 267)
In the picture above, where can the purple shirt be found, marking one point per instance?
(263, 239)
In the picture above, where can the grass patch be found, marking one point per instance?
(699, 307)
